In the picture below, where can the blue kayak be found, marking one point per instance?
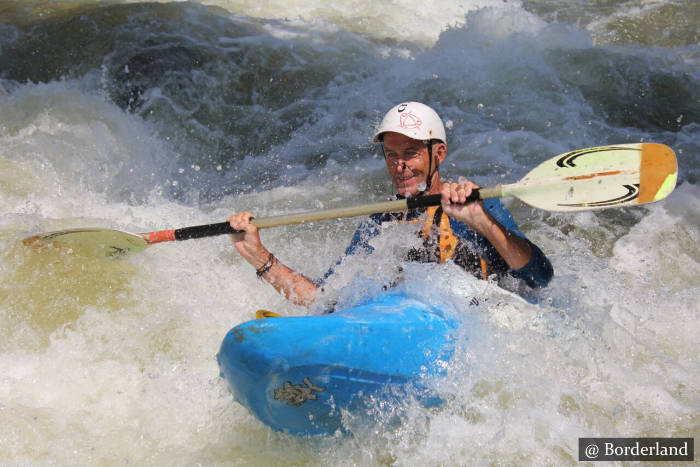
(299, 374)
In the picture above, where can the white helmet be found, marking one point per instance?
(413, 119)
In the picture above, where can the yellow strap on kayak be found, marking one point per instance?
(260, 314)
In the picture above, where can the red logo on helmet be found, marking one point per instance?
(410, 121)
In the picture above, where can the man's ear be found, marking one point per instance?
(440, 151)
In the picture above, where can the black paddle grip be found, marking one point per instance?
(199, 231)
(434, 200)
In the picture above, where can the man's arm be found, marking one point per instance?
(293, 285)
(514, 250)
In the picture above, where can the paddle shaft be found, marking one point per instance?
(591, 178)
(222, 228)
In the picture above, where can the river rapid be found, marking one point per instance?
(142, 116)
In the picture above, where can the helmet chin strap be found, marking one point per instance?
(431, 172)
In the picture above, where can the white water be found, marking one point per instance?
(112, 361)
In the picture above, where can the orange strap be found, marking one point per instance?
(448, 240)
(484, 268)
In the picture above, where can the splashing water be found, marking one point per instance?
(145, 116)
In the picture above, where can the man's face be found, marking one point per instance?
(407, 163)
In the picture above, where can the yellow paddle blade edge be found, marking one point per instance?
(91, 241)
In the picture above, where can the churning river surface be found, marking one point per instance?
(150, 115)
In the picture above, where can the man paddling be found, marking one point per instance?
(481, 236)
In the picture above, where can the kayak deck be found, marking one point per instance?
(298, 374)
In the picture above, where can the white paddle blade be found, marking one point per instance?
(92, 241)
(599, 178)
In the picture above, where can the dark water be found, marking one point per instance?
(221, 88)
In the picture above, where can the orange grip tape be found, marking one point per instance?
(161, 236)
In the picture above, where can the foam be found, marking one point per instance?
(98, 355)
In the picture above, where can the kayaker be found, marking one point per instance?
(481, 236)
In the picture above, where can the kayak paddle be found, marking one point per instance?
(593, 178)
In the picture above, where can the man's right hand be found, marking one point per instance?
(247, 242)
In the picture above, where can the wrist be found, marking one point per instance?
(262, 270)
(484, 224)
(259, 259)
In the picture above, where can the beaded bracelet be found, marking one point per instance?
(266, 267)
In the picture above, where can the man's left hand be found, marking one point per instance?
(454, 197)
